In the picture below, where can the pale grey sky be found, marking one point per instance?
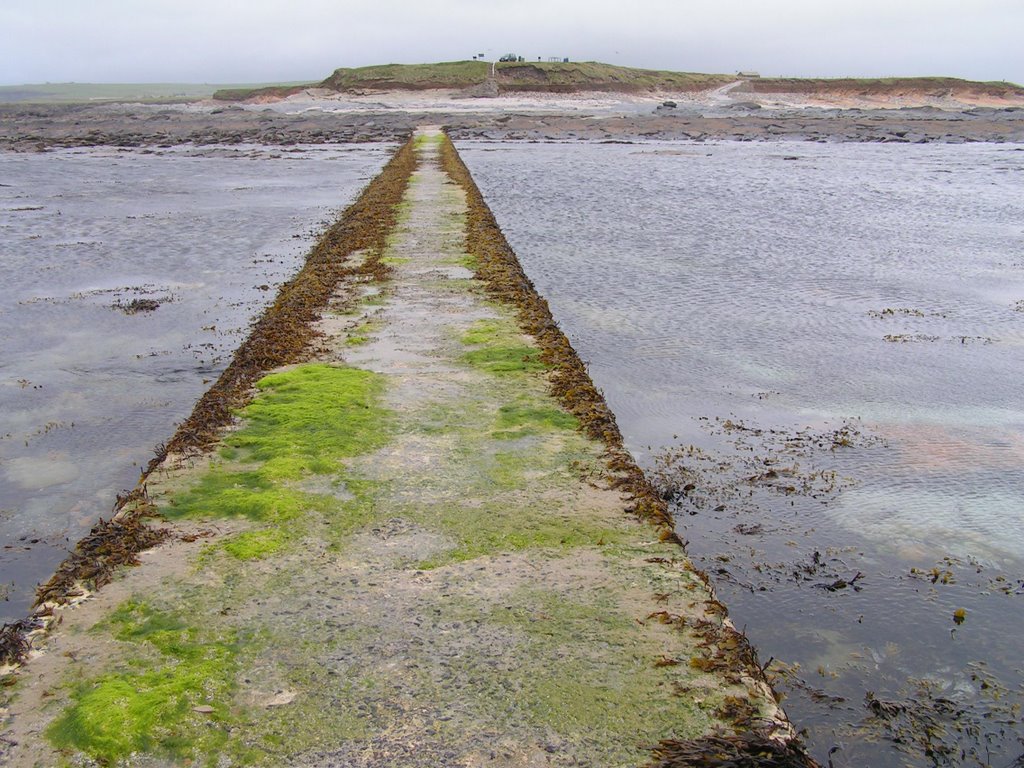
(218, 41)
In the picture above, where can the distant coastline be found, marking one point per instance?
(481, 79)
(515, 100)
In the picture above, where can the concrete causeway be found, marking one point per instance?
(405, 552)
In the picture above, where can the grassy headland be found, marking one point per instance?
(571, 77)
(510, 77)
(577, 77)
(409, 77)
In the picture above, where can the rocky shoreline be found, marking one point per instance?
(43, 127)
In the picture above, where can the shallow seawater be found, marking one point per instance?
(818, 350)
(87, 390)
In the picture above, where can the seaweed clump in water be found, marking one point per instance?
(135, 306)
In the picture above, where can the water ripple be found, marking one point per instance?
(717, 282)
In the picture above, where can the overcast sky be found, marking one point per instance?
(222, 41)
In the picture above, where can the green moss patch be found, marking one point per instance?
(253, 545)
(525, 419)
(310, 418)
(363, 333)
(220, 493)
(177, 707)
(488, 331)
(500, 348)
(305, 421)
(506, 359)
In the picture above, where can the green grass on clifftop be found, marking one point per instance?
(447, 74)
(552, 77)
(568, 77)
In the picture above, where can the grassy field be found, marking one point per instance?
(79, 93)
(447, 74)
(554, 77)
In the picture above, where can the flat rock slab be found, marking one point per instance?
(406, 553)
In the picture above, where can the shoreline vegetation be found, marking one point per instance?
(401, 529)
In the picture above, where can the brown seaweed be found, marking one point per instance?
(109, 545)
(752, 749)
(14, 644)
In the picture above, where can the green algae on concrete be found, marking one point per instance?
(310, 418)
(305, 421)
(409, 555)
(500, 358)
(498, 347)
(169, 700)
(518, 420)
(252, 545)
(588, 668)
